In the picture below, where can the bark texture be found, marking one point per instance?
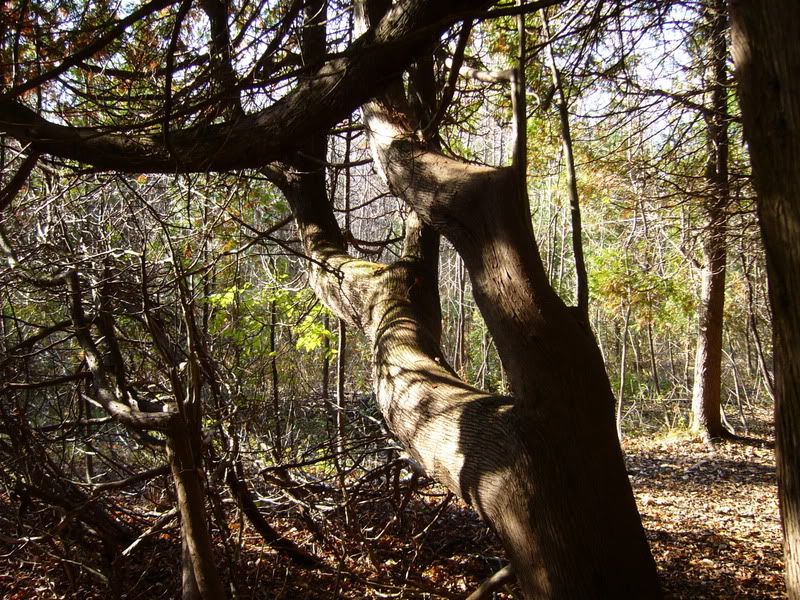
(544, 467)
(707, 385)
(767, 58)
(200, 576)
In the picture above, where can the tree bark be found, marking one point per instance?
(706, 391)
(707, 385)
(543, 468)
(767, 58)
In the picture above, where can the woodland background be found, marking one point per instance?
(192, 288)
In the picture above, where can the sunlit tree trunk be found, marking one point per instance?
(200, 580)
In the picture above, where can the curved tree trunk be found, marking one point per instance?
(544, 467)
(767, 58)
(546, 472)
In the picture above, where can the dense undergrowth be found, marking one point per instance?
(711, 517)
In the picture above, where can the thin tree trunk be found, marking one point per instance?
(341, 349)
(637, 354)
(326, 362)
(752, 322)
(459, 362)
(767, 58)
(185, 450)
(341, 415)
(87, 433)
(653, 360)
(194, 531)
(622, 371)
(672, 369)
(708, 359)
(277, 434)
(581, 278)
(739, 389)
(483, 372)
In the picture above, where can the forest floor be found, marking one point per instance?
(711, 518)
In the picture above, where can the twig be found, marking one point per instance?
(157, 527)
(499, 579)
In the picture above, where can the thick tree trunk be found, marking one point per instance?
(549, 480)
(767, 58)
(706, 392)
(566, 506)
(543, 468)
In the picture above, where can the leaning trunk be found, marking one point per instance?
(767, 58)
(544, 468)
(570, 524)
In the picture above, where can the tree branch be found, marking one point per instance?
(88, 50)
(109, 395)
(338, 85)
(16, 183)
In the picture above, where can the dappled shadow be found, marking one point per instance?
(701, 564)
